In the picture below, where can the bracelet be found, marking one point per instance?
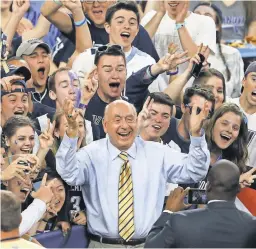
(173, 73)
(80, 23)
(179, 25)
(44, 220)
(150, 73)
(58, 2)
(82, 106)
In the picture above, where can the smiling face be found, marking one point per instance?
(226, 130)
(120, 123)
(172, 7)
(111, 74)
(14, 104)
(19, 188)
(64, 89)
(59, 194)
(96, 11)
(217, 90)
(123, 28)
(22, 142)
(206, 11)
(160, 116)
(249, 92)
(39, 64)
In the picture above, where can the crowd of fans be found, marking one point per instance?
(112, 110)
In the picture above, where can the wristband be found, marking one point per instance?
(179, 25)
(80, 23)
(82, 106)
(173, 73)
(150, 73)
(58, 2)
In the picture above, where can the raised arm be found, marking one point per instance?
(51, 11)
(72, 166)
(83, 35)
(152, 25)
(192, 167)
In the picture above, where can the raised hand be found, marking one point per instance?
(175, 201)
(247, 178)
(44, 193)
(72, 5)
(144, 115)
(71, 114)
(171, 61)
(197, 119)
(182, 11)
(15, 170)
(6, 82)
(89, 86)
(20, 7)
(46, 138)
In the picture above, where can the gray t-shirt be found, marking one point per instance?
(234, 18)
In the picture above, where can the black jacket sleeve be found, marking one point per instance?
(161, 235)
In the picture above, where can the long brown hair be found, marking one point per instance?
(237, 152)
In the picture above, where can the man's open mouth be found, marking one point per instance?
(114, 85)
(157, 127)
(124, 134)
(41, 72)
(125, 34)
(19, 113)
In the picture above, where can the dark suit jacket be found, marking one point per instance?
(219, 225)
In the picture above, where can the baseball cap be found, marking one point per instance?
(13, 70)
(28, 47)
(251, 68)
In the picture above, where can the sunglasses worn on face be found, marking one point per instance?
(198, 110)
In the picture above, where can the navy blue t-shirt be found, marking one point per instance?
(100, 37)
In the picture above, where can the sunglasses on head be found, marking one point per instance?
(106, 48)
(92, 1)
(198, 110)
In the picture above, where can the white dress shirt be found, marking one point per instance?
(31, 215)
(97, 166)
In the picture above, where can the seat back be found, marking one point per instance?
(75, 239)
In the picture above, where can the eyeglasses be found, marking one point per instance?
(198, 110)
(92, 1)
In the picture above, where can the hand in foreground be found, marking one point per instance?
(71, 114)
(44, 193)
(89, 86)
(175, 201)
(6, 82)
(197, 118)
(15, 170)
(144, 115)
(80, 219)
(46, 138)
(64, 226)
(182, 11)
(247, 178)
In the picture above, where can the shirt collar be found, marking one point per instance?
(114, 152)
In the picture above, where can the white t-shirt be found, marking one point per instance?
(135, 60)
(201, 29)
(251, 117)
(236, 67)
(252, 133)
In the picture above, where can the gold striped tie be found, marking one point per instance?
(125, 200)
